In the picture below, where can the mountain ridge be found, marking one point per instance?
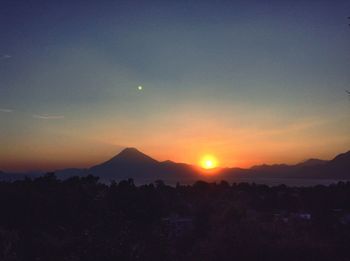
(131, 155)
(132, 163)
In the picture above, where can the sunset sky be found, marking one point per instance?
(250, 82)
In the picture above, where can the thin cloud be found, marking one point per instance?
(5, 110)
(48, 117)
(6, 56)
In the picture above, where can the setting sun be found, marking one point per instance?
(208, 162)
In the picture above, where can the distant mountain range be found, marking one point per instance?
(131, 163)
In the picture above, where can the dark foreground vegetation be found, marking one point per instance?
(82, 219)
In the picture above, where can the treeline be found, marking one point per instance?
(81, 219)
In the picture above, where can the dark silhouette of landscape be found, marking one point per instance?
(131, 163)
(82, 219)
(133, 207)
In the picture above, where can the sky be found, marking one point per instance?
(249, 82)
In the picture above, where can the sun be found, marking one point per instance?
(208, 162)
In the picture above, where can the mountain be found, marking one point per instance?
(130, 156)
(341, 160)
(127, 162)
(311, 162)
(131, 163)
(339, 167)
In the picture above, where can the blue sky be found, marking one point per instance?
(248, 81)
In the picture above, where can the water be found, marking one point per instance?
(261, 181)
(288, 181)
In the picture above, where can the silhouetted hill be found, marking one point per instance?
(270, 170)
(342, 159)
(312, 162)
(131, 163)
(339, 167)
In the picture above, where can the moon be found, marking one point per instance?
(140, 88)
